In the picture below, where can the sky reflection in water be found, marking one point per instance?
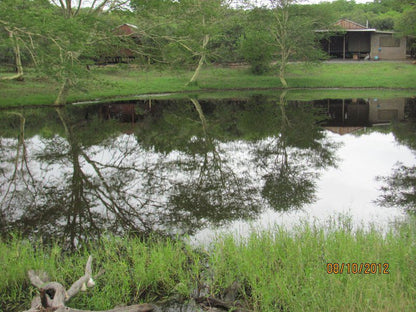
(349, 189)
(197, 167)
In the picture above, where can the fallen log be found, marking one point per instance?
(53, 295)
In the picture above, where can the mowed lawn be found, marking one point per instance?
(122, 81)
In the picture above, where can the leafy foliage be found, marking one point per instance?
(256, 45)
(400, 188)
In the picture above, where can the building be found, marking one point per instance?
(121, 50)
(350, 40)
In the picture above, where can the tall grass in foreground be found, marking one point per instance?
(274, 270)
(283, 271)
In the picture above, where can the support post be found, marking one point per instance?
(343, 48)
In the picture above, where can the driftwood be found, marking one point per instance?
(53, 295)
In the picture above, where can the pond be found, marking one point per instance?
(197, 166)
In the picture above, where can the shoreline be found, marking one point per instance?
(172, 94)
(120, 82)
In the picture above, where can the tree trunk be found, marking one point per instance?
(283, 79)
(201, 61)
(282, 70)
(63, 92)
(17, 58)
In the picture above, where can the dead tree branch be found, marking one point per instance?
(53, 295)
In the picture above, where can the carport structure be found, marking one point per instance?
(350, 40)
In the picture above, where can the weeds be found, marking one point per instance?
(275, 270)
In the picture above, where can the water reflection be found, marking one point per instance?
(399, 188)
(213, 191)
(289, 160)
(167, 166)
(351, 115)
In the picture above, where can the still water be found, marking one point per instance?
(198, 166)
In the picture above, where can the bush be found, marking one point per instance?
(257, 50)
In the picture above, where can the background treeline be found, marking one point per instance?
(165, 28)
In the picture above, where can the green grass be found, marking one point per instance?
(123, 81)
(355, 75)
(136, 271)
(275, 270)
(285, 271)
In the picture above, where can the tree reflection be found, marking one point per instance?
(399, 188)
(289, 159)
(21, 172)
(188, 165)
(18, 184)
(79, 197)
(214, 192)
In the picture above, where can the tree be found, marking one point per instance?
(15, 17)
(56, 36)
(81, 31)
(255, 45)
(292, 36)
(225, 46)
(406, 24)
(186, 28)
(151, 6)
(200, 23)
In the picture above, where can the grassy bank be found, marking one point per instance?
(273, 270)
(124, 81)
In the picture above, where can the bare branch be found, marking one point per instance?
(79, 7)
(35, 279)
(53, 295)
(100, 6)
(81, 283)
(92, 6)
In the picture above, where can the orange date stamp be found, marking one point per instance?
(357, 268)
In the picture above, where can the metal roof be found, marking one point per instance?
(348, 26)
(349, 30)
